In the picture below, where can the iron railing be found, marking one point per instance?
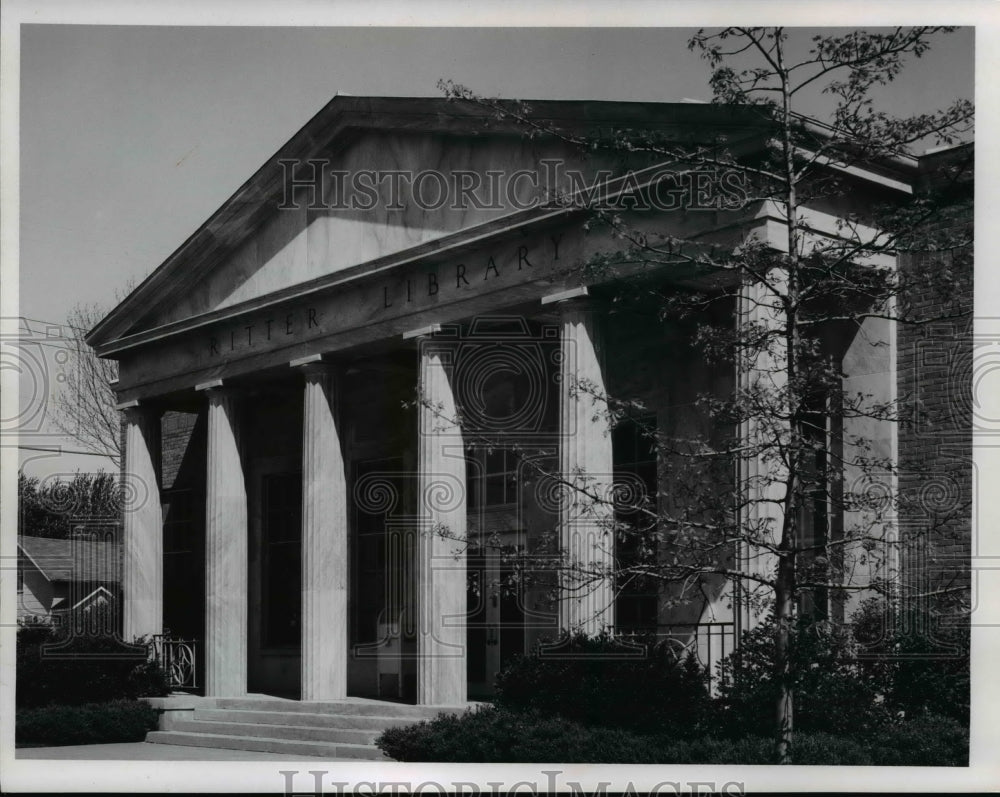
(709, 642)
(179, 660)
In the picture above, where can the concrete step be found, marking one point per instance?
(374, 708)
(303, 733)
(303, 719)
(268, 745)
(343, 729)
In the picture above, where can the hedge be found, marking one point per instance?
(90, 669)
(94, 723)
(639, 685)
(495, 735)
(489, 735)
(848, 680)
(834, 693)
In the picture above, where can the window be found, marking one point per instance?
(634, 451)
(179, 516)
(383, 549)
(183, 561)
(282, 533)
(492, 478)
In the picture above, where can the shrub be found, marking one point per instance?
(834, 692)
(118, 721)
(925, 654)
(487, 734)
(859, 681)
(927, 740)
(603, 681)
(90, 669)
(490, 735)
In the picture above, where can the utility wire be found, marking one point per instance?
(53, 323)
(65, 451)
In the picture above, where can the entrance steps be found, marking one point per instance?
(343, 729)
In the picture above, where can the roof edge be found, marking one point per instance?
(367, 112)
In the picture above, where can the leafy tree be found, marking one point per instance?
(54, 507)
(796, 301)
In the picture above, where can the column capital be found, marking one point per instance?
(578, 295)
(422, 332)
(314, 366)
(137, 412)
(218, 389)
(214, 384)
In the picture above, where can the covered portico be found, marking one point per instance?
(249, 444)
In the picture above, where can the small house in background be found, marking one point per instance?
(59, 576)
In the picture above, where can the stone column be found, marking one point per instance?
(324, 539)
(869, 434)
(226, 551)
(441, 566)
(760, 472)
(142, 576)
(586, 465)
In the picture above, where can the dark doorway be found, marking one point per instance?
(495, 620)
(383, 591)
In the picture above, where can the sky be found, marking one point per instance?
(131, 136)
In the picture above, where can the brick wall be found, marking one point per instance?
(182, 482)
(178, 449)
(935, 390)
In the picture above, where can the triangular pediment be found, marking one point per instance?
(386, 193)
(365, 179)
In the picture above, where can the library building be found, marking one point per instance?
(377, 381)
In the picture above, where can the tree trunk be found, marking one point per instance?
(785, 581)
(784, 700)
